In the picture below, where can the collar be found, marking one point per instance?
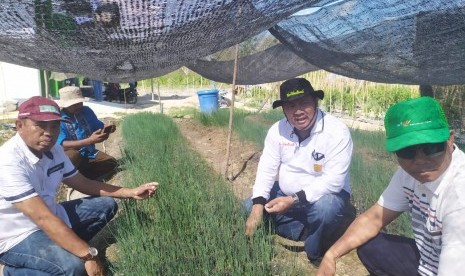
(319, 123)
(65, 115)
(317, 126)
(28, 153)
(49, 154)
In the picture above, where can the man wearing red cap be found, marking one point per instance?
(311, 151)
(39, 236)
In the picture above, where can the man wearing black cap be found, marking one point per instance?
(311, 151)
(38, 235)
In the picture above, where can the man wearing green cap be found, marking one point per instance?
(430, 185)
(311, 152)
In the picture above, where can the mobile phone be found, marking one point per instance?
(107, 129)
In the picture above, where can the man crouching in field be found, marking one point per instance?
(430, 184)
(39, 236)
(311, 151)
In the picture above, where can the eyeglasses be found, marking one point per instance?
(430, 150)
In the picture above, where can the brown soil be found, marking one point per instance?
(210, 143)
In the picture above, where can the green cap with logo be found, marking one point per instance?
(415, 121)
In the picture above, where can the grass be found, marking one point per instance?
(355, 97)
(181, 112)
(6, 132)
(342, 94)
(371, 170)
(371, 167)
(250, 126)
(179, 79)
(194, 225)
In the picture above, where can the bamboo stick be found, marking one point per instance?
(231, 115)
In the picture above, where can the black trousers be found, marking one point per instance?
(391, 255)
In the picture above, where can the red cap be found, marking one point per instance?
(40, 109)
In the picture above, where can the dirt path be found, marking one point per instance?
(210, 143)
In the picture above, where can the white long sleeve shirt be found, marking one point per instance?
(318, 165)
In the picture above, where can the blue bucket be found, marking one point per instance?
(208, 100)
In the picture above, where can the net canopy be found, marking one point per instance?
(392, 41)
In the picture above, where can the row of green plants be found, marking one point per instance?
(349, 96)
(359, 97)
(180, 79)
(194, 225)
(344, 95)
(372, 166)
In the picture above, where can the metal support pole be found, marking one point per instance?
(46, 83)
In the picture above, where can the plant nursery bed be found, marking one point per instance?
(210, 143)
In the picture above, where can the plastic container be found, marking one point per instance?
(208, 100)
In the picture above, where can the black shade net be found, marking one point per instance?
(409, 42)
(391, 41)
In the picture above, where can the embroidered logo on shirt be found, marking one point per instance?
(286, 143)
(317, 156)
(55, 168)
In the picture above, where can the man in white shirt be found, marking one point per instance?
(39, 236)
(429, 184)
(311, 151)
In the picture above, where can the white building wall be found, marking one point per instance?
(18, 82)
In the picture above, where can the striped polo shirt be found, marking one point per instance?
(437, 211)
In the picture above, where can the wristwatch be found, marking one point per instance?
(295, 198)
(92, 253)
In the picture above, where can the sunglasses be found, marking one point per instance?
(430, 150)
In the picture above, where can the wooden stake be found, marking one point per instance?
(159, 97)
(231, 115)
(151, 89)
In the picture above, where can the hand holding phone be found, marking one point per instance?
(108, 129)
